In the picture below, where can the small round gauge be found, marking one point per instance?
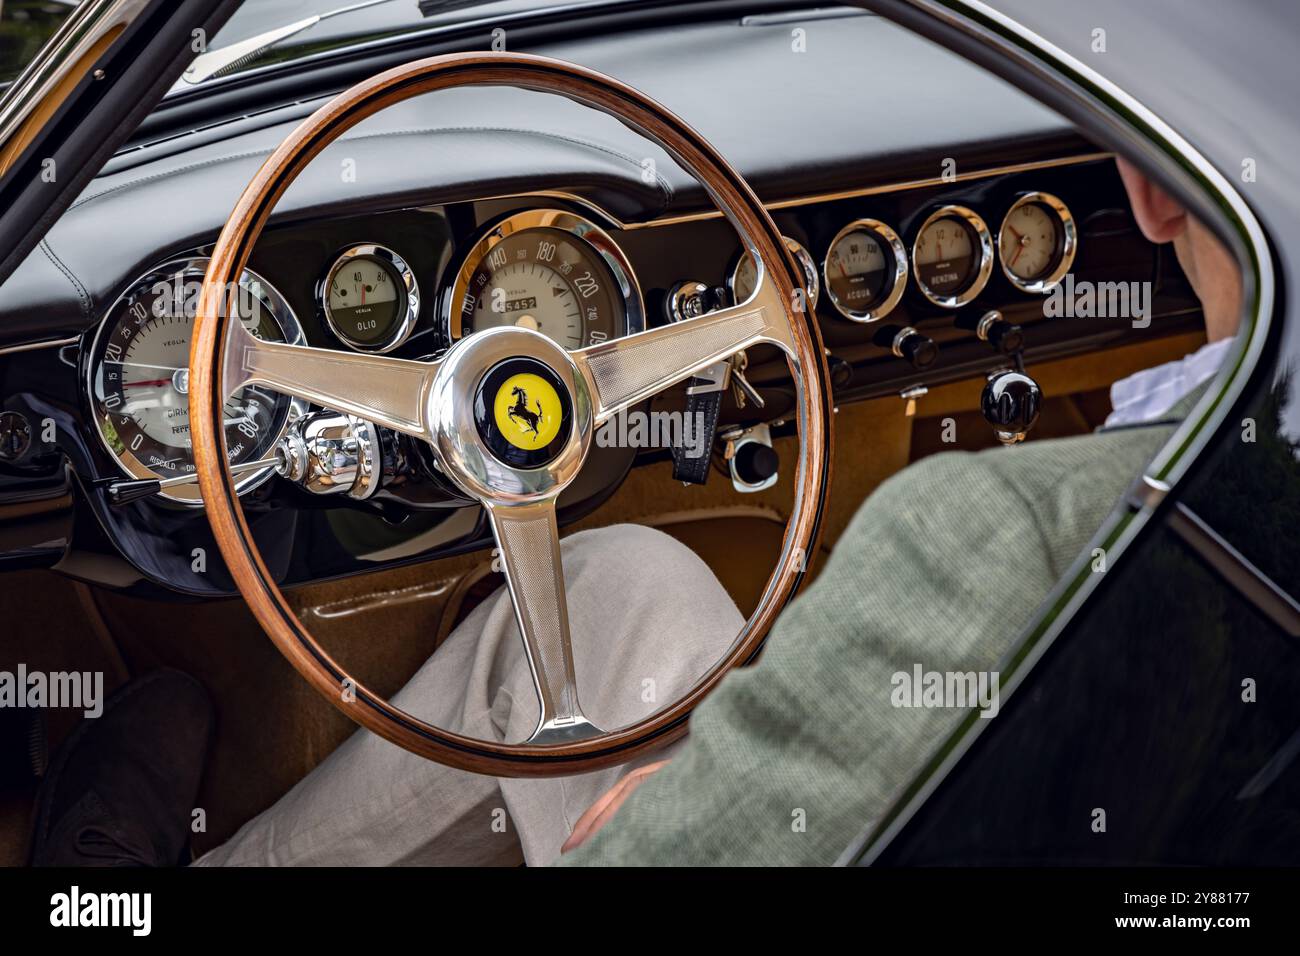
(1037, 242)
(550, 271)
(952, 257)
(866, 270)
(744, 275)
(139, 377)
(370, 298)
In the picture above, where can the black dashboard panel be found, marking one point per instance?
(740, 82)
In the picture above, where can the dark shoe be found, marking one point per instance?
(121, 790)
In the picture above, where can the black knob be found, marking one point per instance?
(1011, 403)
(992, 328)
(1006, 338)
(919, 349)
(841, 373)
(907, 343)
(15, 436)
(756, 462)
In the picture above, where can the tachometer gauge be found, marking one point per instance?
(866, 270)
(744, 275)
(139, 377)
(952, 257)
(550, 271)
(370, 298)
(1037, 243)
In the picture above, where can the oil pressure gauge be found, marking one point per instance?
(370, 298)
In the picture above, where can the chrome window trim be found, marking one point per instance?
(58, 68)
(1032, 52)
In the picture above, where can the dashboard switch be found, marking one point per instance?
(689, 300)
(992, 328)
(15, 436)
(907, 343)
(753, 462)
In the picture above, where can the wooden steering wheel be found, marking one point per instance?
(435, 401)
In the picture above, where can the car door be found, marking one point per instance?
(1159, 723)
(83, 94)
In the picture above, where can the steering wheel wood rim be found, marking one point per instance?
(211, 348)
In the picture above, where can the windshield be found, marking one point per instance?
(349, 21)
(26, 25)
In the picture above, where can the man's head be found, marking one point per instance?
(1208, 264)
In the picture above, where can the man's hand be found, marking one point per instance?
(603, 810)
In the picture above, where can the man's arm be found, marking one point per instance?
(942, 568)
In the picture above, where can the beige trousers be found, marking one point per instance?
(648, 618)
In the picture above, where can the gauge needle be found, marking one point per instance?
(1019, 251)
(161, 368)
(153, 382)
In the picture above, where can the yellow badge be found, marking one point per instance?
(527, 411)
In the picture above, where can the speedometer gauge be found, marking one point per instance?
(139, 377)
(550, 271)
(952, 257)
(866, 270)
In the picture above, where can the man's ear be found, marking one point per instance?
(1160, 217)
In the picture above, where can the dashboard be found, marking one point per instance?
(924, 264)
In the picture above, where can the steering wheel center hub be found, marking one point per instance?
(523, 412)
(512, 415)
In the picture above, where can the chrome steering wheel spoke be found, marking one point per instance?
(628, 370)
(529, 539)
(387, 391)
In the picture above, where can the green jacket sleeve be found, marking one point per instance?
(942, 568)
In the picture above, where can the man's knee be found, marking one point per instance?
(632, 554)
(633, 564)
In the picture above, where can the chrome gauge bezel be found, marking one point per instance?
(405, 323)
(891, 240)
(579, 226)
(1069, 245)
(807, 264)
(984, 238)
(194, 266)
